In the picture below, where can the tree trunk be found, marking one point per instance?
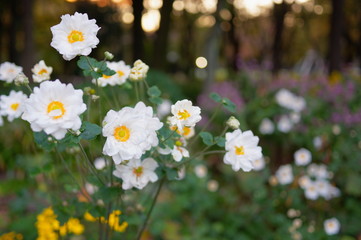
(138, 34)
(27, 58)
(161, 42)
(334, 51)
(279, 12)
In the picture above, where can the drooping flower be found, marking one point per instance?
(12, 106)
(41, 72)
(242, 150)
(75, 35)
(185, 114)
(266, 126)
(9, 71)
(130, 132)
(139, 71)
(122, 72)
(332, 226)
(54, 107)
(284, 174)
(137, 173)
(302, 157)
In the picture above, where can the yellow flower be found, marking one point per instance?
(11, 236)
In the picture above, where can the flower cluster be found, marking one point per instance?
(113, 220)
(11, 236)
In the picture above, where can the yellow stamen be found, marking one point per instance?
(138, 171)
(14, 106)
(42, 71)
(75, 36)
(120, 73)
(121, 133)
(183, 114)
(239, 150)
(55, 105)
(106, 76)
(186, 131)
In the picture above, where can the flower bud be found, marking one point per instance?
(21, 79)
(108, 55)
(139, 71)
(233, 123)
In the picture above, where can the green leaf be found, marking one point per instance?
(108, 194)
(221, 141)
(154, 91)
(42, 139)
(108, 72)
(229, 105)
(207, 138)
(90, 131)
(68, 141)
(215, 97)
(171, 173)
(156, 100)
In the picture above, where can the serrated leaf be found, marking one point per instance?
(221, 141)
(154, 91)
(90, 131)
(215, 97)
(207, 138)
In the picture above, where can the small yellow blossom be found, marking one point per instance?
(11, 236)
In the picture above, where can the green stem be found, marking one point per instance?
(136, 90)
(140, 232)
(29, 88)
(90, 164)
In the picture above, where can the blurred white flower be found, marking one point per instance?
(200, 171)
(137, 173)
(75, 35)
(12, 106)
(90, 188)
(336, 129)
(302, 157)
(139, 71)
(259, 164)
(317, 142)
(122, 72)
(295, 117)
(311, 191)
(9, 71)
(212, 185)
(100, 163)
(184, 114)
(288, 100)
(242, 150)
(54, 107)
(284, 174)
(318, 171)
(322, 187)
(233, 123)
(41, 72)
(332, 192)
(1, 121)
(332, 226)
(304, 181)
(163, 109)
(181, 173)
(284, 124)
(179, 153)
(266, 126)
(130, 132)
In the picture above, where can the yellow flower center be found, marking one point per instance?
(75, 36)
(178, 143)
(183, 114)
(186, 131)
(121, 133)
(14, 106)
(120, 73)
(55, 105)
(42, 71)
(138, 171)
(239, 150)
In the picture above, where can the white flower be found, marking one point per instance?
(322, 187)
(317, 142)
(41, 72)
(184, 114)
(139, 71)
(302, 157)
(179, 152)
(266, 126)
(288, 100)
(130, 132)
(284, 124)
(258, 164)
(233, 123)
(1, 121)
(75, 35)
(318, 171)
(212, 185)
(284, 174)
(21, 79)
(200, 170)
(311, 191)
(181, 173)
(12, 106)
(185, 132)
(304, 181)
(163, 109)
(242, 150)
(90, 188)
(295, 117)
(54, 107)
(100, 163)
(332, 226)
(332, 192)
(121, 74)
(9, 71)
(137, 173)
